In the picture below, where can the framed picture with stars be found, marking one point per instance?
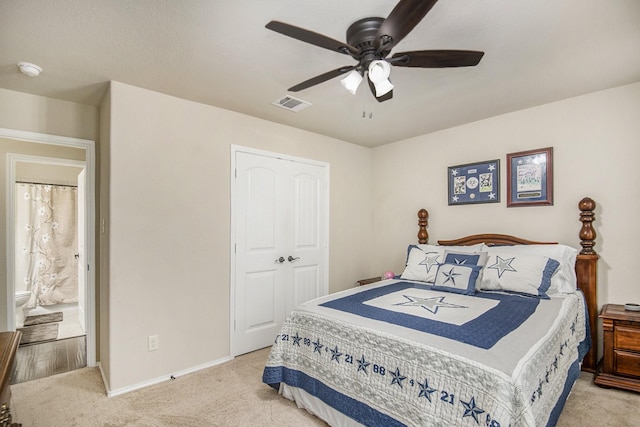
(530, 178)
(474, 183)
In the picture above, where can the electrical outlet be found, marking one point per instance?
(153, 342)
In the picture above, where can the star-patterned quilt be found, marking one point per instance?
(400, 353)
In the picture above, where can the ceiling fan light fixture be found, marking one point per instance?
(352, 81)
(379, 75)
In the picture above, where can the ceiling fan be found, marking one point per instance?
(370, 41)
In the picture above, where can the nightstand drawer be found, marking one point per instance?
(627, 338)
(627, 363)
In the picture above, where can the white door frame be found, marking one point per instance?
(232, 283)
(89, 165)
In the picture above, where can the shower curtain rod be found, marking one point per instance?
(47, 183)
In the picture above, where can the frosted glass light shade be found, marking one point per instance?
(352, 81)
(379, 75)
(383, 87)
(379, 70)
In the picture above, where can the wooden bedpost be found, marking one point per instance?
(586, 272)
(423, 220)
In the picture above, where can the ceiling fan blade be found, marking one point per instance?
(312, 38)
(321, 78)
(436, 58)
(387, 96)
(402, 19)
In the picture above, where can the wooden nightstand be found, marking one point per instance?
(620, 364)
(367, 281)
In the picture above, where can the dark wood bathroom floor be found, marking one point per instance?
(49, 358)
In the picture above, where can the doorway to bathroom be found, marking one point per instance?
(71, 309)
(47, 250)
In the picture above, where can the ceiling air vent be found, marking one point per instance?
(290, 103)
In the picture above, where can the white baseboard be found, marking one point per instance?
(168, 377)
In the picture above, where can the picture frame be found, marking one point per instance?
(474, 183)
(530, 178)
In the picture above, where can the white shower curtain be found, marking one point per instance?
(46, 243)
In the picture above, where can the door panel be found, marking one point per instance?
(260, 294)
(262, 287)
(306, 284)
(261, 210)
(279, 244)
(306, 204)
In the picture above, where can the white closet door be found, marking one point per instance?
(280, 244)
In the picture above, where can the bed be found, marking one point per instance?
(488, 329)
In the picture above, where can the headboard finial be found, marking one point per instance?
(423, 220)
(587, 232)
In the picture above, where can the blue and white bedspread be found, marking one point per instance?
(400, 353)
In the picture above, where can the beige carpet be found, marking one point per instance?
(232, 394)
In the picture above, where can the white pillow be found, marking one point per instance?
(564, 281)
(457, 278)
(513, 272)
(423, 260)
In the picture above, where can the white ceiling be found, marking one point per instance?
(219, 53)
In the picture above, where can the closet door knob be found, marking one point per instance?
(280, 260)
(291, 259)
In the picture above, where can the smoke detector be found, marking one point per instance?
(29, 69)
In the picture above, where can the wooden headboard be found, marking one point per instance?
(586, 262)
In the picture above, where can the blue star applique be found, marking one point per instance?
(397, 378)
(363, 364)
(503, 265)
(425, 390)
(335, 354)
(317, 346)
(431, 304)
(450, 276)
(296, 340)
(471, 409)
(431, 259)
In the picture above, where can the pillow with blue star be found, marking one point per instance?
(522, 274)
(457, 278)
(564, 281)
(465, 258)
(423, 260)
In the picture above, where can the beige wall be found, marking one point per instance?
(49, 174)
(21, 111)
(596, 141)
(169, 223)
(103, 219)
